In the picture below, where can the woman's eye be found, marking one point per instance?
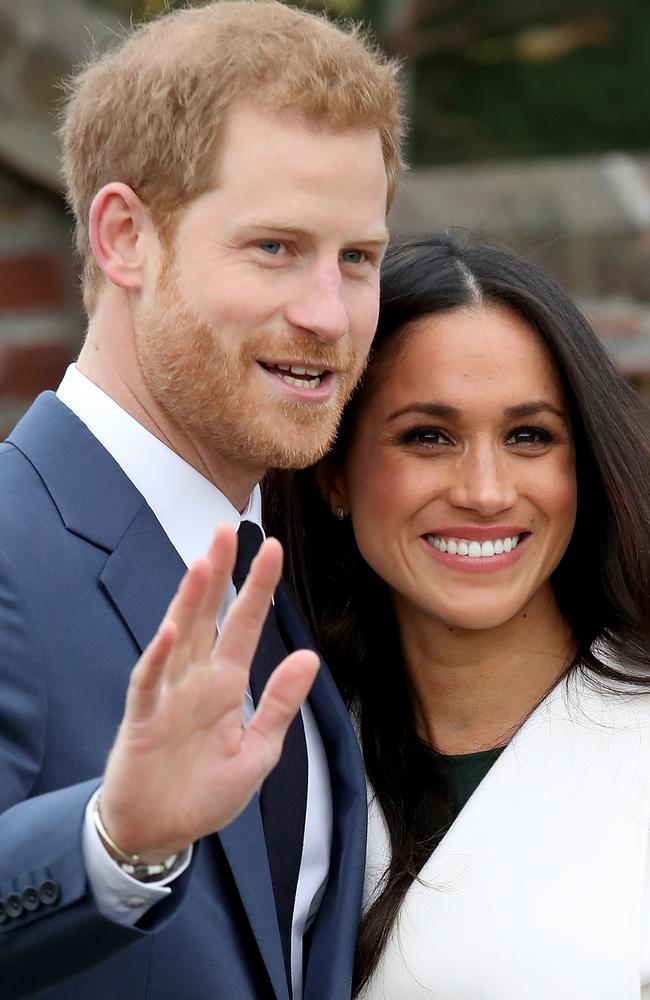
(529, 436)
(271, 246)
(431, 436)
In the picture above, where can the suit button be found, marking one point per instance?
(13, 905)
(31, 899)
(49, 892)
(3, 915)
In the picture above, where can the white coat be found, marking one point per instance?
(541, 888)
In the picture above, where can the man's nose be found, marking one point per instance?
(484, 483)
(318, 305)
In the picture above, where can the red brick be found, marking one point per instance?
(32, 281)
(27, 369)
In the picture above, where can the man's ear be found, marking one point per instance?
(332, 486)
(118, 227)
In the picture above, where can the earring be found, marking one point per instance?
(339, 512)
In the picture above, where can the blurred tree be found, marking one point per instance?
(145, 8)
(536, 78)
(491, 78)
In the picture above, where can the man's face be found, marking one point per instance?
(265, 304)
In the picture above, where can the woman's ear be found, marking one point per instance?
(332, 485)
(118, 229)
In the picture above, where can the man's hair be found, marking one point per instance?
(151, 111)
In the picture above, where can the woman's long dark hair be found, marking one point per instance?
(602, 583)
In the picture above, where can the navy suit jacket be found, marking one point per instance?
(86, 573)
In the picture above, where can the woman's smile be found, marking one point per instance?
(463, 550)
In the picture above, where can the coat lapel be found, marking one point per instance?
(94, 498)
(141, 575)
(245, 849)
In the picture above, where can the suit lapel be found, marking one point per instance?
(245, 849)
(98, 502)
(141, 575)
(94, 498)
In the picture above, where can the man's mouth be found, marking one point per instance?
(300, 376)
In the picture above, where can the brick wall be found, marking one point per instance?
(40, 318)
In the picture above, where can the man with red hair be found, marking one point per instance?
(229, 169)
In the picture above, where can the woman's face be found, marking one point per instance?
(460, 477)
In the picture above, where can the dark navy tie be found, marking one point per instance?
(283, 798)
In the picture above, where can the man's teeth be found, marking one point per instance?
(477, 550)
(312, 382)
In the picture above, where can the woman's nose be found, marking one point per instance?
(483, 482)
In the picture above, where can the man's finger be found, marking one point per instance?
(194, 608)
(183, 613)
(144, 685)
(241, 629)
(221, 558)
(287, 688)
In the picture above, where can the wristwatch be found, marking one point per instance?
(130, 863)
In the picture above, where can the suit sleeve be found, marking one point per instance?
(50, 925)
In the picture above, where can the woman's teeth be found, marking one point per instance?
(477, 550)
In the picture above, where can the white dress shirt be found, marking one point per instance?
(189, 507)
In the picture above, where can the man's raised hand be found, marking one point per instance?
(183, 765)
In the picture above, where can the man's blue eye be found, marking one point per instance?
(353, 256)
(271, 246)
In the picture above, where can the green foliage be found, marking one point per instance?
(573, 82)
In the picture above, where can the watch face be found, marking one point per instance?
(150, 873)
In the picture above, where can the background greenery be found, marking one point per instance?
(495, 79)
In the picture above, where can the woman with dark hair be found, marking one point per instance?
(474, 561)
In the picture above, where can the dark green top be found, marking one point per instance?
(465, 771)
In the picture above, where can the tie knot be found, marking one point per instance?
(249, 539)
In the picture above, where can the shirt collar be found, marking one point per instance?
(187, 505)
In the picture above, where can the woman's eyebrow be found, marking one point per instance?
(530, 409)
(431, 409)
(445, 411)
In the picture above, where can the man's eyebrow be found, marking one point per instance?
(445, 411)
(379, 237)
